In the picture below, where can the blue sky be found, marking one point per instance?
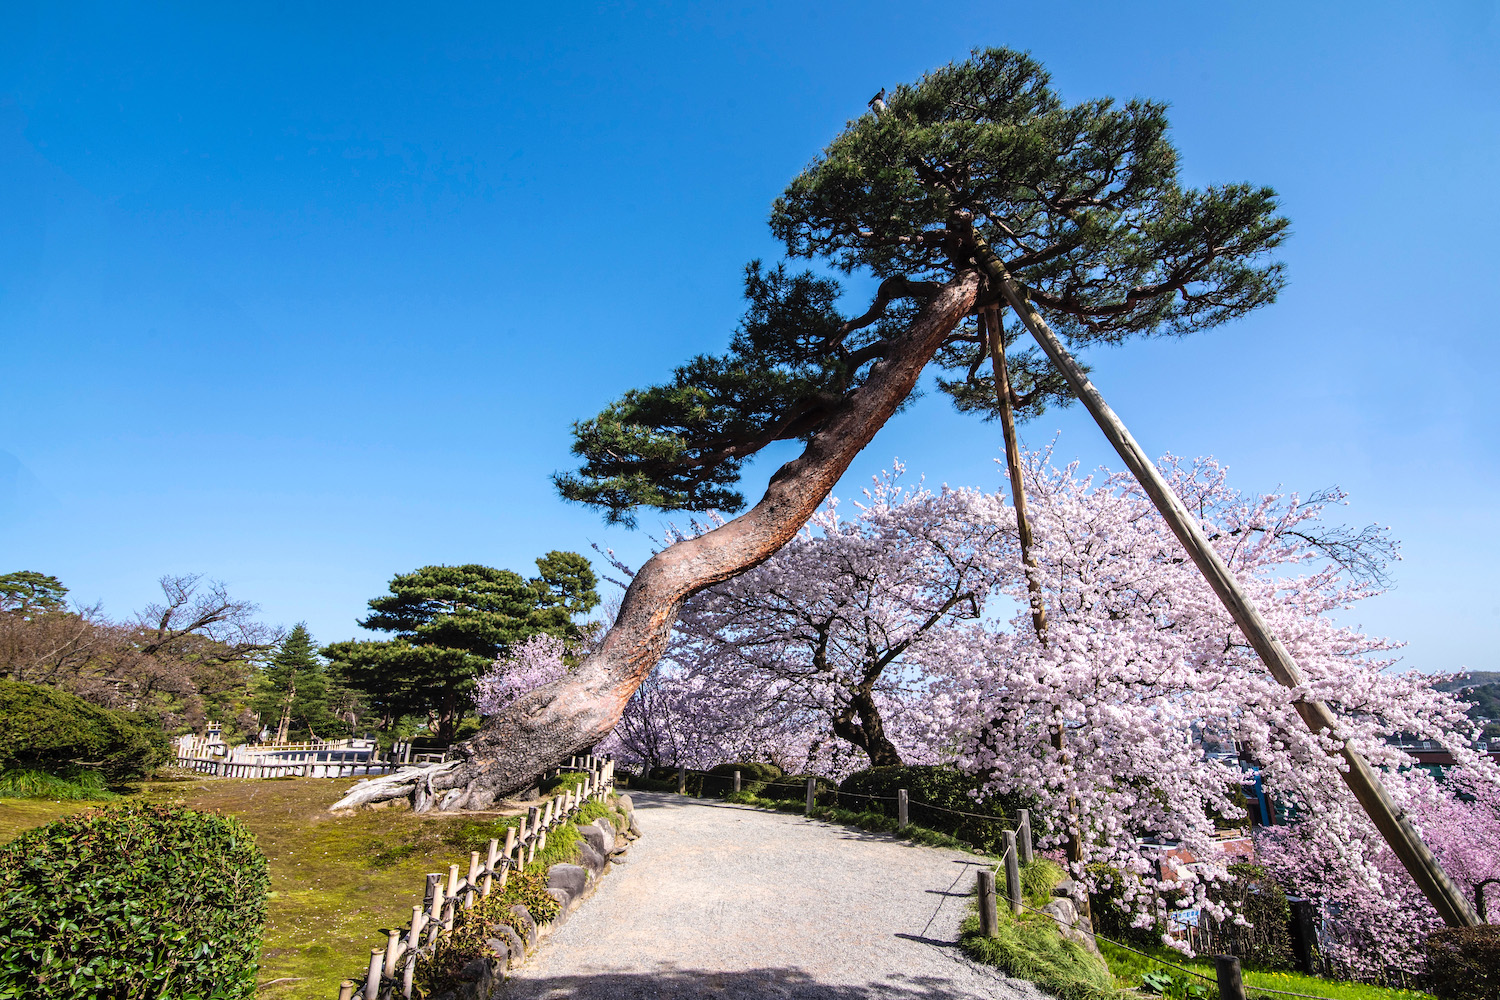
(301, 298)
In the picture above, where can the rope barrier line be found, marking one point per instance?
(1171, 965)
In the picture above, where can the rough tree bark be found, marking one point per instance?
(517, 746)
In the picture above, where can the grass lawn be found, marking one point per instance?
(336, 881)
(1128, 968)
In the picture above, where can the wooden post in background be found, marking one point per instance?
(736, 781)
(812, 791)
(1012, 872)
(902, 809)
(989, 922)
(682, 781)
(1023, 828)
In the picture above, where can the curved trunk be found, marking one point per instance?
(869, 733)
(516, 747)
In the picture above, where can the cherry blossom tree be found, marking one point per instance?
(533, 662)
(828, 627)
(1141, 657)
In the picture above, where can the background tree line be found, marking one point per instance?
(199, 654)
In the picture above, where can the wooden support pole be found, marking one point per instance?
(989, 920)
(1451, 904)
(812, 792)
(682, 781)
(903, 809)
(510, 842)
(736, 781)
(1012, 873)
(346, 989)
(1023, 831)
(473, 878)
(1231, 983)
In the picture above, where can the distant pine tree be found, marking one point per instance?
(294, 689)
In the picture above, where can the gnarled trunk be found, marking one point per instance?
(545, 726)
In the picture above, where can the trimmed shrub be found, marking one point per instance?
(943, 787)
(1463, 963)
(138, 901)
(43, 729)
(793, 788)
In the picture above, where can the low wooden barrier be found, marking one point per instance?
(302, 769)
(392, 968)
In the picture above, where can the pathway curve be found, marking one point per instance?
(718, 900)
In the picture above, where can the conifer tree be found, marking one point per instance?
(294, 688)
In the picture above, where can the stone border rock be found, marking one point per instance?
(570, 885)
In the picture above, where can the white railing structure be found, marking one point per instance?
(391, 969)
(317, 759)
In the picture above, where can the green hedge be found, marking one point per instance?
(47, 730)
(132, 902)
(945, 787)
(1463, 963)
(1265, 940)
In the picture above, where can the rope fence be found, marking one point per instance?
(392, 969)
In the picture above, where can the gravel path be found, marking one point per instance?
(717, 900)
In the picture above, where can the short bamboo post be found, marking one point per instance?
(736, 781)
(903, 811)
(1231, 984)
(392, 943)
(528, 832)
(1023, 827)
(372, 978)
(473, 879)
(989, 921)
(435, 905)
(346, 989)
(812, 791)
(489, 864)
(510, 842)
(453, 882)
(531, 851)
(682, 781)
(1012, 872)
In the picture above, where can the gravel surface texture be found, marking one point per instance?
(718, 900)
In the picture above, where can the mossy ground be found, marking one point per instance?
(336, 881)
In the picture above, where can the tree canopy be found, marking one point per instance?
(449, 623)
(1082, 202)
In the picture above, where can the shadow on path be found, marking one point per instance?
(752, 984)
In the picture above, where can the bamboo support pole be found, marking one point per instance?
(1451, 904)
(372, 978)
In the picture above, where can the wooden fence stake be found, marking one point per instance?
(473, 879)
(812, 791)
(989, 921)
(1012, 872)
(1231, 985)
(736, 781)
(489, 865)
(902, 810)
(1023, 827)
(682, 781)
(346, 990)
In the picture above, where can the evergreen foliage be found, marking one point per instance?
(57, 733)
(140, 901)
(292, 696)
(27, 592)
(1082, 202)
(449, 623)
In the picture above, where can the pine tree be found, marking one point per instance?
(294, 688)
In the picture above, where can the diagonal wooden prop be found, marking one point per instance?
(1389, 819)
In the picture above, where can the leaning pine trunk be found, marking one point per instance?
(518, 745)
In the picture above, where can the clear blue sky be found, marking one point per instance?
(302, 298)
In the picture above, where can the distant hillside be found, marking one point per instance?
(1476, 678)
